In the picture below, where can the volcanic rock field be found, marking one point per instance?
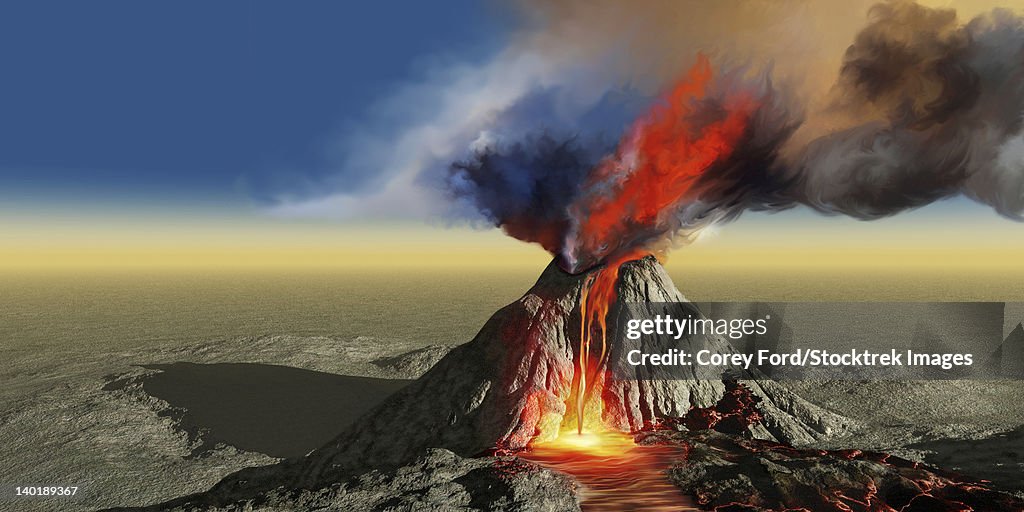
(298, 423)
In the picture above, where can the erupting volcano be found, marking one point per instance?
(519, 381)
(536, 382)
(626, 197)
(512, 394)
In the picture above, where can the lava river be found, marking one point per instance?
(615, 473)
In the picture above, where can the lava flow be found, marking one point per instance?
(615, 473)
(597, 295)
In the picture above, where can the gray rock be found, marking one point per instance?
(438, 480)
(633, 404)
(511, 383)
(722, 471)
(412, 364)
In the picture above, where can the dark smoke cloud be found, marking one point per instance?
(911, 63)
(525, 187)
(929, 107)
(947, 101)
(525, 170)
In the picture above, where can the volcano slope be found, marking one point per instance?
(513, 381)
(433, 442)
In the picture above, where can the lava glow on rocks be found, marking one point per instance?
(613, 471)
(597, 295)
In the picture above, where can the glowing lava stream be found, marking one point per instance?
(597, 295)
(615, 473)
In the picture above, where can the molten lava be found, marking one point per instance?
(615, 473)
(597, 295)
(657, 165)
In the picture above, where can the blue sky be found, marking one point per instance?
(204, 102)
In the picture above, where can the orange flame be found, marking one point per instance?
(659, 163)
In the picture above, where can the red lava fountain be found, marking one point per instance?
(657, 166)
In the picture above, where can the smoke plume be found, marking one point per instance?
(924, 107)
(944, 103)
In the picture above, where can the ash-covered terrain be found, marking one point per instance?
(158, 426)
(137, 427)
(96, 426)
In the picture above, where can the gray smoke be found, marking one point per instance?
(925, 107)
(943, 104)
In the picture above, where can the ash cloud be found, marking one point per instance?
(910, 63)
(740, 179)
(944, 103)
(865, 117)
(525, 187)
(584, 49)
(924, 107)
(522, 173)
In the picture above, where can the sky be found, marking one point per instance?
(198, 104)
(146, 133)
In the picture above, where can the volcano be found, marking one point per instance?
(500, 418)
(513, 384)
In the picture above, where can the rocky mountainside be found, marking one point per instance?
(500, 389)
(513, 380)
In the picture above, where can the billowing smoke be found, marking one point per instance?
(925, 107)
(700, 153)
(944, 105)
(523, 187)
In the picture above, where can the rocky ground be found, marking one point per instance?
(728, 472)
(92, 422)
(438, 480)
(88, 419)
